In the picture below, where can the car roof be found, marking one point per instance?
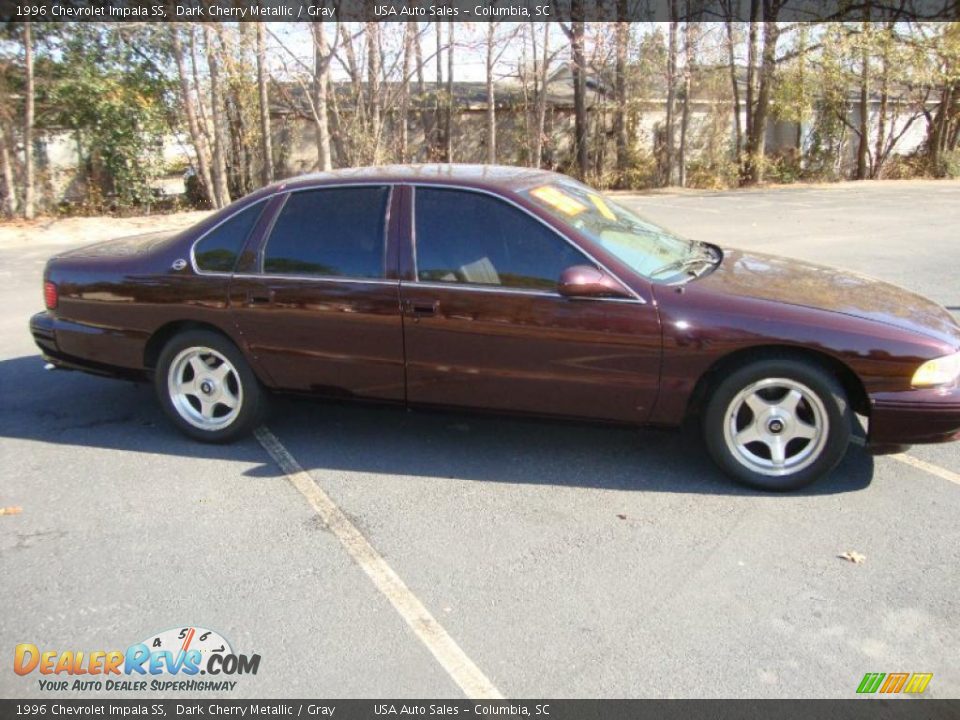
(497, 177)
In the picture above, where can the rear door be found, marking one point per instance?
(486, 328)
(319, 311)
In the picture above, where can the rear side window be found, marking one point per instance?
(336, 232)
(469, 237)
(219, 249)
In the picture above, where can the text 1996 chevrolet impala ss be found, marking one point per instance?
(509, 290)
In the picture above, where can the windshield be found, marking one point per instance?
(651, 251)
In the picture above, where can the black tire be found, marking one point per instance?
(729, 423)
(230, 390)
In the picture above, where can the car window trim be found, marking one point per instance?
(193, 247)
(391, 188)
(500, 288)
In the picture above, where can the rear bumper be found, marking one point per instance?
(915, 416)
(48, 333)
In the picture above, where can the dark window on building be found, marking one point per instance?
(219, 250)
(336, 232)
(469, 237)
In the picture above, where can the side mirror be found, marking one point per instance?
(586, 281)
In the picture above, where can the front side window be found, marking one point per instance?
(470, 237)
(219, 249)
(335, 232)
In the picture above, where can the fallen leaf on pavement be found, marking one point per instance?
(12, 510)
(852, 556)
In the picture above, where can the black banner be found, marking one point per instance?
(474, 10)
(858, 709)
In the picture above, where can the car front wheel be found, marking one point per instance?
(207, 388)
(777, 424)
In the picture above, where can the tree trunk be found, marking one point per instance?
(408, 33)
(577, 30)
(685, 113)
(735, 87)
(421, 91)
(879, 155)
(448, 130)
(864, 126)
(620, 82)
(491, 98)
(28, 173)
(752, 39)
(8, 202)
(266, 142)
(542, 96)
(220, 182)
(373, 88)
(669, 159)
(756, 140)
(321, 78)
(438, 115)
(197, 138)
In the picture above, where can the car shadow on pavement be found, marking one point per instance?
(71, 408)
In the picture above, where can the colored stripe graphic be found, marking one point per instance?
(870, 682)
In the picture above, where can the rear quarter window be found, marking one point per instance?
(219, 249)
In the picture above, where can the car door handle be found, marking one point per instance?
(260, 297)
(419, 309)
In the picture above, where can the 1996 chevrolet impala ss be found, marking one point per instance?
(510, 290)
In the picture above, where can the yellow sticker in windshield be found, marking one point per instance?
(602, 206)
(559, 200)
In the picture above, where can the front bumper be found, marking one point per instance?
(931, 415)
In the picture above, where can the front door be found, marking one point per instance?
(484, 326)
(321, 314)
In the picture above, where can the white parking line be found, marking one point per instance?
(451, 657)
(927, 467)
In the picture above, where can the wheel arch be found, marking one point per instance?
(162, 335)
(851, 384)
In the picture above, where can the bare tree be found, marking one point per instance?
(197, 138)
(448, 131)
(544, 76)
(321, 85)
(491, 96)
(620, 83)
(863, 144)
(752, 168)
(220, 182)
(266, 142)
(734, 85)
(689, 35)
(575, 33)
(669, 156)
(409, 36)
(373, 88)
(28, 120)
(8, 203)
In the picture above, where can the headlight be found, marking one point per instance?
(939, 371)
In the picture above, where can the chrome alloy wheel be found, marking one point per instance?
(776, 426)
(205, 388)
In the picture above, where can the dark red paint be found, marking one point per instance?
(648, 356)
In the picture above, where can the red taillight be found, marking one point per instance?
(50, 296)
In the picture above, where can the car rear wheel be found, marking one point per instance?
(778, 424)
(207, 387)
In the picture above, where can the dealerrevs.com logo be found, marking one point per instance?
(168, 661)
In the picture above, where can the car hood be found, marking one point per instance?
(121, 247)
(768, 277)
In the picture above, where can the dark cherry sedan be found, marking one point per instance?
(511, 290)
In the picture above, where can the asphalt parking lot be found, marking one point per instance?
(556, 560)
